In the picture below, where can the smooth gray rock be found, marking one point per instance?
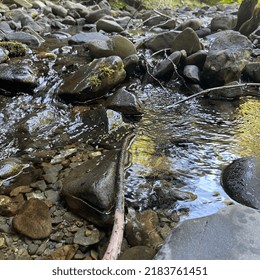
(23, 37)
(223, 22)
(192, 73)
(193, 23)
(87, 37)
(108, 25)
(240, 180)
(230, 234)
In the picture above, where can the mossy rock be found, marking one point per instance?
(14, 48)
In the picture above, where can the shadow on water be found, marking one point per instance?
(188, 146)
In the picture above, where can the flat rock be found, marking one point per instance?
(33, 219)
(87, 37)
(24, 37)
(138, 253)
(240, 180)
(230, 234)
(108, 25)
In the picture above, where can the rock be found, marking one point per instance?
(187, 40)
(23, 37)
(230, 234)
(78, 7)
(193, 23)
(5, 27)
(166, 67)
(20, 189)
(9, 206)
(58, 10)
(21, 3)
(142, 230)
(108, 25)
(33, 220)
(14, 49)
(161, 41)
(93, 80)
(87, 37)
(192, 73)
(87, 237)
(66, 252)
(245, 12)
(223, 22)
(89, 189)
(169, 24)
(198, 59)
(130, 64)
(252, 24)
(38, 4)
(94, 16)
(227, 57)
(252, 70)
(125, 102)
(227, 93)
(116, 45)
(240, 180)
(138, 253)
(10, 168)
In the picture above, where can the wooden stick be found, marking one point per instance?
(206, 91)
(114, 246)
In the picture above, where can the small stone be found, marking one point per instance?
(33, 220)
(92, 238)
(20, 189)
(66, 252)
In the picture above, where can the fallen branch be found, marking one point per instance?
(116, 238)
(206, 91)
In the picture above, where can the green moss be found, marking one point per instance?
(14, 48)
(94, 81)
(117, 4)
(106, 72)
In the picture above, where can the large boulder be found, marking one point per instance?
(227, 57)
(240, 180)
(94, 80)
(230, 234)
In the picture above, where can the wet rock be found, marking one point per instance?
(161, 41)
(94, 16)
(245, 12)
(33, 220)
(252, 70)
(223, 22)
(197, 59)
(23, 37)
(93, 80)
(89, 189)
(130, 64)
(115, 45)
(227, 93)
(10, 168)
(66, 252)
(138, 253)
(87, 237)
(125, 102)
(17, 77)
(166, 67)
(240, 180)
(108, 25)
(192, 73)
(227, 57)
(230, 234)
(3, 55)
(187, 40)
(142, 230)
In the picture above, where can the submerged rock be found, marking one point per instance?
(93, 80)
(240, 180)
(230, 234)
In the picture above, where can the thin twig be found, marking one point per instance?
(206, 91)
(116, 238)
